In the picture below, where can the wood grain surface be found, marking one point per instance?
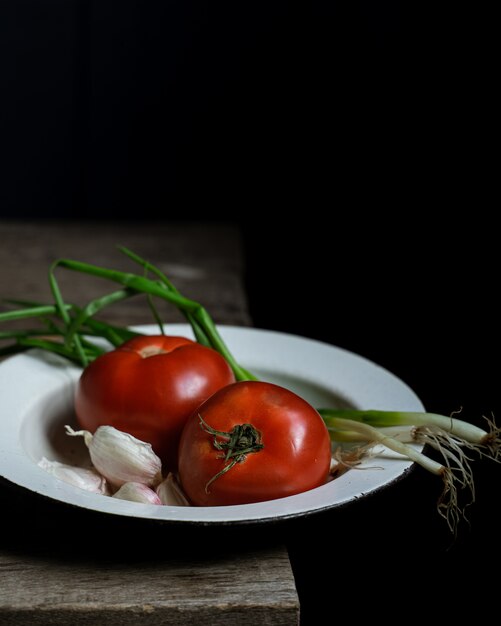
(247, 588)
(61, 565)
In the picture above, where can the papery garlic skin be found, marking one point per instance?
(120, 457)
(136, 492)
(170, 492)
(88, 479)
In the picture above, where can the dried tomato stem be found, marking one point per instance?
(241, 440)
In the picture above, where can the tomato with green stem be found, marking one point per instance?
(250, 442)
(148, 387)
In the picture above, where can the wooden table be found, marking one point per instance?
(61, 565)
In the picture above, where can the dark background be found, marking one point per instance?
(348, 142)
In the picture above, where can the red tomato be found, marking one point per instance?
(148, 387)
(295, 454)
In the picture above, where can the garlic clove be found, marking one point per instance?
(120, 457)
(171, 493)
(136, 492)
(87, 479)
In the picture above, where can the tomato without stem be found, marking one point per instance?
(148, 387)
(289, 443)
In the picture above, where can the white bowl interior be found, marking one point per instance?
(43, 434)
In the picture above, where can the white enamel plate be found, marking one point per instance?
(36, 400)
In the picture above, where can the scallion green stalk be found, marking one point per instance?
(140, 284)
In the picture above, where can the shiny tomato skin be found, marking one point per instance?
(296, 455)
(148, 387)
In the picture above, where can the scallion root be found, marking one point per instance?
(457, 472)
(492, 441)
(345, 459)
(451, 450)
(448, 505)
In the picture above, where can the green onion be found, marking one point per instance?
(451, 437)
(140, 284)
(34, 311)
(462, 429)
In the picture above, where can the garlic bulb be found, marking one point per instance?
(136, 492)
(87, 479)
(170, 492)
(120, 457)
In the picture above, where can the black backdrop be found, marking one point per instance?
(342, 137)
(170, 106)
